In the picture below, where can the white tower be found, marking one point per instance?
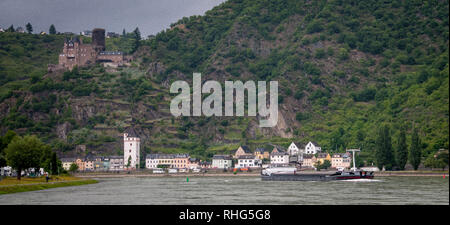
(131, 149)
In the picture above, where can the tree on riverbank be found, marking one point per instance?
(50, 162)
(401, 153)
(325, 165)
(415, 152)
(436, 161)
(4, 142)
(73, 168)
(383, 154)
(24, 153)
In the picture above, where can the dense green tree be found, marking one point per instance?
(326, 164)
(10, 29)
(54, 164)
(401, 153)
(4, 142)
(318, 165)
(24, 153)
(137, 39)
(29, 28)
(434, 161)
(383, 153)
(6, 139)
(50, 162)
(415, 151)
(52, 29)
(73, 168)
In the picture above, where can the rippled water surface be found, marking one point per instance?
(241, 190)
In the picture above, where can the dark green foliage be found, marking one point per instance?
(24, 153)
(301, 116)
(311, 69)
(364, 95)
(73, 168)
(11, 29)
(401, 153)
(29, 28)
(298, 94)
(52, 29)
(137, 39)
(415, 151)
(325, 165)
(384, 154)
(439, 160)
(314, 27)
(4, 142)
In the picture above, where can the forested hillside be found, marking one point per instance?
(343, 67)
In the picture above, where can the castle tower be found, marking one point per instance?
(131, 149)
(98, 39)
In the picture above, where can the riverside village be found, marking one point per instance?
(308, 156)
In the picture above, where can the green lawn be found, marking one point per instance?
(11, 185)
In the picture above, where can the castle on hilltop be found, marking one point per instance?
(76, 53)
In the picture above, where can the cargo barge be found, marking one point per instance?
(286, 173)
(317, 177)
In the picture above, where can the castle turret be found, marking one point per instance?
(98, 39)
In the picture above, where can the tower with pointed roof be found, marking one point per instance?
(131, 149)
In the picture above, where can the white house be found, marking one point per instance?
(115, 163)
(151, 161)
(20, 30)
(279, 158)
(131, 149)
(248, 161)
(293, 149)
(67, 162)
(312, 148)
(296, 149)
(340, 161)
(221, 161)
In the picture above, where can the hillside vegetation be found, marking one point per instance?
(343, 67)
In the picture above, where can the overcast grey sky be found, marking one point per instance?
(151, 16)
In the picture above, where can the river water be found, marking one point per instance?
(241, 190)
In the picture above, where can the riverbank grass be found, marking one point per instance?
(10, 185)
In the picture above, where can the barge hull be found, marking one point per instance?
(297, 177)
(310, 177)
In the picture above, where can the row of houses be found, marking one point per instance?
(99, 163)
(306, 156)
(179, 161)
(300, 155)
